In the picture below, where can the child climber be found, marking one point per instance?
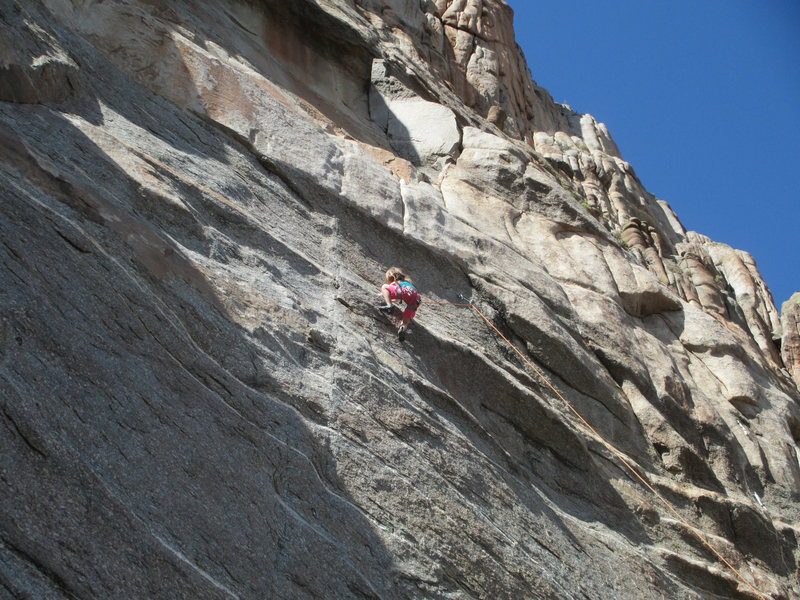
(399, 287)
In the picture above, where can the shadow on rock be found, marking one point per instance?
(136, 433)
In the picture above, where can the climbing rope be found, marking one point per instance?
(603, 441)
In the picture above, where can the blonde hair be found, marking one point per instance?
(396, 274)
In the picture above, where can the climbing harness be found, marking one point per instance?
(608, 445)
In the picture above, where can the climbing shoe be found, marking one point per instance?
(386, 309)
(401, 333)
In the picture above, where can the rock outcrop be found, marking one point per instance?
(199, 399)
(790, 346)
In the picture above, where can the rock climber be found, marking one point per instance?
(398, 287)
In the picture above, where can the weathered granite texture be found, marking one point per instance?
(199, 399)
(790, 344)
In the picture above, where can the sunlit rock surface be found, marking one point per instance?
(199, 399)
(790, 316)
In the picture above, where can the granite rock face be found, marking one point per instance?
(790, 347)
(199, 399)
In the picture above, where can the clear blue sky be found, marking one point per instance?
(702, 98)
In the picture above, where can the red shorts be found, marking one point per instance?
(409, 296)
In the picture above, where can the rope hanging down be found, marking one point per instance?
(603, 441)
